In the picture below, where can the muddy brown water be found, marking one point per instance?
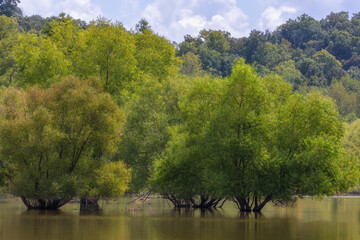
(336, 218)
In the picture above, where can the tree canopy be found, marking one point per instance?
(248, 138)
(50, 138)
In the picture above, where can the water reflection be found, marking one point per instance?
(326, 219)
(97, 212)
(33, 212)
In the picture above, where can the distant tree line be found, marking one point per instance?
(310, 54)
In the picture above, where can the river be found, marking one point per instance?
(327, 219)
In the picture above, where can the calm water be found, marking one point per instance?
(330, 218)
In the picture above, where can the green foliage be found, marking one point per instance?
(336, 21)
(331, 68)
(150, 110)
(198, 138)
(48, 137)
(300, 31)
(288, 71)
(215, 40)
(155, 55)
(38, 61)
(9, 8)
(182, 171)
(63, 31)
(111, 180)
(249, 139)
(32, 23)
(105, 50)
(9, 35)
(346, 102)
(191, 65)
(142, 25)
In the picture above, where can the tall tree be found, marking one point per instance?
(38, 61)
(9, 8)
(8, 37)
(50, 139)
(250, 139)
(155, 55)
(105, 50)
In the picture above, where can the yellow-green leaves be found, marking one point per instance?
(250, 138)
(51, 139)
(112, 180)
(38, 61)
(105, 50)
(155, 55)
(8, 38)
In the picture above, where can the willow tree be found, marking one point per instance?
(51, 139)
(252, 140)
(183, 172)
(9, 34)
(105, 50)
(109, 181)
(38, 61)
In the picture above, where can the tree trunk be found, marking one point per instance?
(89, 203)
(258, 208)
(43, 203)
(243, 204)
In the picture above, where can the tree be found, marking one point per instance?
(105, 50)
(9, 36)
(38, 61)
(253, 141)
(336, 21)
(182, 173)
(155, 55)
(331, 67)
(210, 59)
(300, 31)
(341, 44)
(107, 182)
(190, 44)
(216, 40)
(63, 31)
(321, 69)
(191, 65)
(355, 23)
(32, 23)
(142, 25)
(346, 102)
(9, 8)
(150, 110)
(289, 73)
(50, 138)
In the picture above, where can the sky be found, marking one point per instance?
(175, 18)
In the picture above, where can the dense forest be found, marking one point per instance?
(258, 119)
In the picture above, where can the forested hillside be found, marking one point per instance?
(213, 118)
(310, 54)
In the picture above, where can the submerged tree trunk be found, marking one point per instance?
(205, 202)
(248, 204)
(242, 203)
(202, 202)
(259, 205)
(178, 203)
(50, 204)
(89, 203)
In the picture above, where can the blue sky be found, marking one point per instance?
(175, 18)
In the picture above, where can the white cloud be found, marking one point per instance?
(174, 19)
(83, 9)
(274, 17)
(130, 11)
